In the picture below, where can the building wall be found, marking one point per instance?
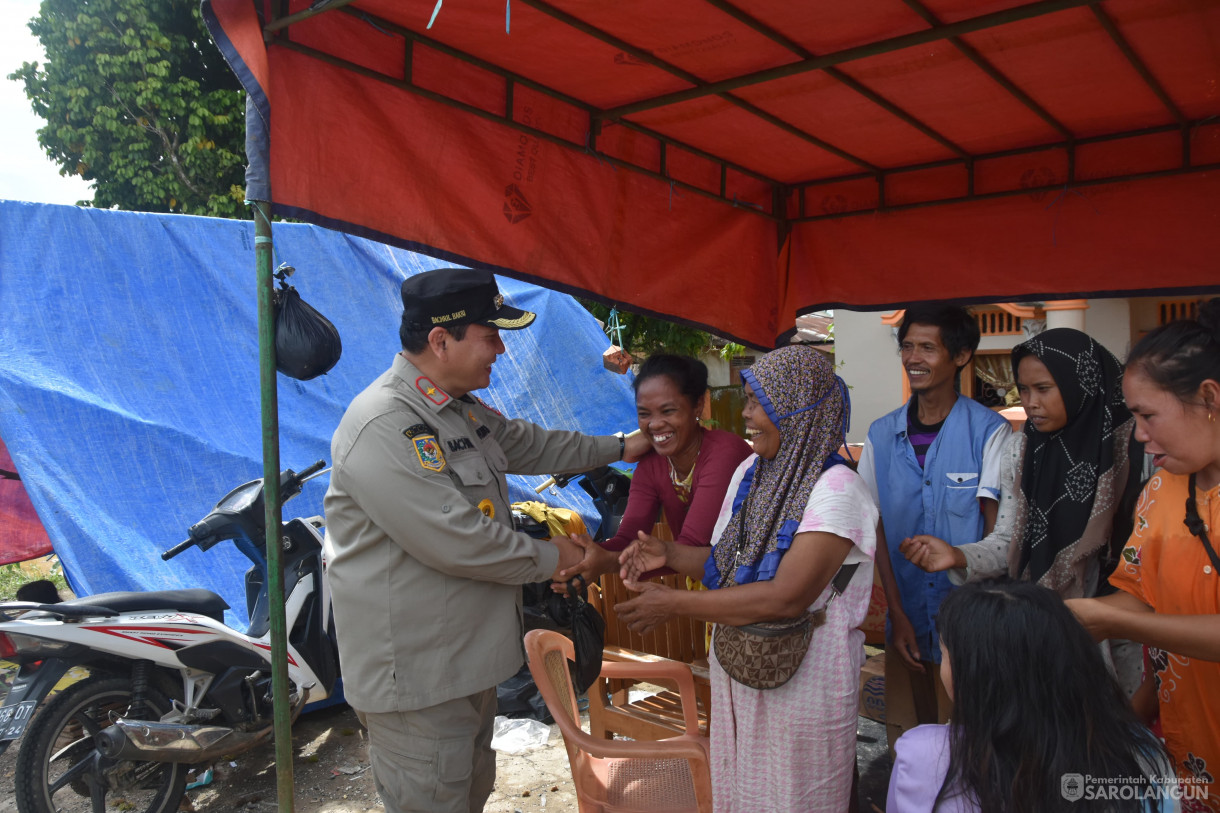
(1108, 321)
(717, 370)
(866, 354)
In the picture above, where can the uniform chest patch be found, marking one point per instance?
(459, 444)
(482, 432)
(428, 450)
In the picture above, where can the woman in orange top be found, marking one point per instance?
(1168, 579)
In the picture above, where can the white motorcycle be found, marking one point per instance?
(169, 685)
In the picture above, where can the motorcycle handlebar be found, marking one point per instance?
(305, 474)
(176, 549)
(562, 480)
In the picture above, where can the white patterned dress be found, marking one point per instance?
(793, 748)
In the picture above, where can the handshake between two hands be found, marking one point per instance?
(580, 556)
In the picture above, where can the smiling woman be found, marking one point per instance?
(685, 475)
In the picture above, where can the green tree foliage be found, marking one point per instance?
(644, 334)
(138, 100)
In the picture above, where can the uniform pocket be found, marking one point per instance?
(455, 760)
(471, 470)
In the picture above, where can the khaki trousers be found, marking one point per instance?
(434, 759)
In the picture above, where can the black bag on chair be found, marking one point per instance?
(588, 636)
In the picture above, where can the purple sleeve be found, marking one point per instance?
(720, 459)
(643, 503)
(921, 760)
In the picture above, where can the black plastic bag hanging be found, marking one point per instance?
(306, 343)
(588, 637)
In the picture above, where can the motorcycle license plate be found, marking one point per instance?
(14, 719)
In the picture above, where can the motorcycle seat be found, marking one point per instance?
(203, 602)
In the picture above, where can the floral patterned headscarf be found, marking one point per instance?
(1073, 480)
(808, 403)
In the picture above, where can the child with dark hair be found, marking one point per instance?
(1168, 576)
(1038, 722)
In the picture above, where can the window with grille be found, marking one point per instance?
(1170, 309)
(998, 323)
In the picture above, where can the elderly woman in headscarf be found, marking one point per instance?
(1068, 483)
(794, 540)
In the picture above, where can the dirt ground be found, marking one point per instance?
(331, 772)
(331, 775)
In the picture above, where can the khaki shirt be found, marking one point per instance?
(425, 568)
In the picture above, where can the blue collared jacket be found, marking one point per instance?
(940, 499)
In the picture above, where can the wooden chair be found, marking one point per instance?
(672, 774)
(680, 639)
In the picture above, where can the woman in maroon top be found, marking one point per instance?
(686, 473)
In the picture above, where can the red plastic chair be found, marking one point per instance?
(626, 776)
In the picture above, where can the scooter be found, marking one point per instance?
(169, 685)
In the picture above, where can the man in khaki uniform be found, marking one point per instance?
(426, 569)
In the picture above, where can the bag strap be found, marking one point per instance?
(839, 583)
(843, 578)
(1194, 523)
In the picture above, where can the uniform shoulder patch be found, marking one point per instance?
(429, 452)
(429, 390)
(488, 406)
(412, 432)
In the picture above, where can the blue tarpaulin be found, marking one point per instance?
(129, 390)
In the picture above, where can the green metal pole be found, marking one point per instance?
(271, 490)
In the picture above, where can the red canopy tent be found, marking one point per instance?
(22, 536)
(736, 165)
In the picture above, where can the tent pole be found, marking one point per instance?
(263, 257)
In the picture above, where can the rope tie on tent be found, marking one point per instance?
(590, 151)
(738, 202)
(1059, 198)
(672, 184)
(284, 268)
(508, 14)
(369, 20)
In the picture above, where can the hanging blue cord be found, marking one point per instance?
(435, 12)
(614, 328)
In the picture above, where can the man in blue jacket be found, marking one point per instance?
(933, 466)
